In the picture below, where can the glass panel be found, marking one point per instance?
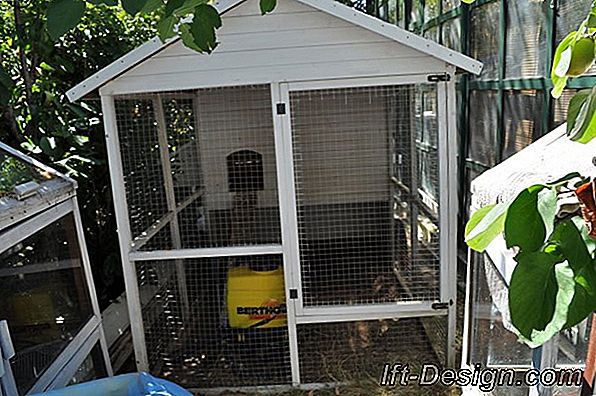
(451, 32)
(449, 5)
(526, 39)
(483, 124)
(560, 106)
(92, 368)
(44, 297)
(235, 330)
(522, 117)
(431, 9)
(432, 34)
(366, 174)
(492, 344)
(484, 38)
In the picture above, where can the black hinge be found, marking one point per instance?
(281, 108)
(439, 77)
(293, 294)
(441, 305)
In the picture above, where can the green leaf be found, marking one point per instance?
(165, 28)
(133, 7)
(63, 15)
(582, 305)
(151, 6)
(182, 7)
(561, 62)
(571, 246)
(187, 38)
(530, 218)
(580, 224)
(267, 6)
(575, 105)
(484, 226)
(534, 293)
(206, 20)
(564, 295)
(584, 124)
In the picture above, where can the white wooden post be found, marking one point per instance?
(124, 236)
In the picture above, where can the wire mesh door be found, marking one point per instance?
(368, 190)
(200, 177)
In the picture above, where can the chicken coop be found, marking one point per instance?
(50, 323)
(287, 204)
(488, 337)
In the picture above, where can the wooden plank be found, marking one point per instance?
(268, 58)
(305, 71)
(290, 37)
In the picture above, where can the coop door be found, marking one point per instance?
(367, 190)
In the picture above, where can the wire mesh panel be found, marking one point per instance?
(207, 346)
(199, 168)
(366, 175)
(356, 352)
(141, 162)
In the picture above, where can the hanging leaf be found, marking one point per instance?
(182, 7)
(570, 245)
(584, 123)
(584, 298)
(63, 15)
(206, 20)
(534, 293)
(152, 5)
(485, 225)
(575, 105)
(561, 62)
(133, 7)
(267, 6)
(187, 38)
(165, 28)
(530, 218)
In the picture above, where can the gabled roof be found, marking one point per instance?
(331, 7)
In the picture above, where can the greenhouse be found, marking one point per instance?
(50, 333)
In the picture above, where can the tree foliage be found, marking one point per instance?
(35, 72)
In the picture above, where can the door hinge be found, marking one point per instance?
(293, 294)
(441, 305)
(439, 77)
(281, 108)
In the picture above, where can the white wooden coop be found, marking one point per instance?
(488, 338)
(311, 155)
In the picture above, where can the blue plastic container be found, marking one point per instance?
(137, 384)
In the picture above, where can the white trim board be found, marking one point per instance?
(357, 18)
